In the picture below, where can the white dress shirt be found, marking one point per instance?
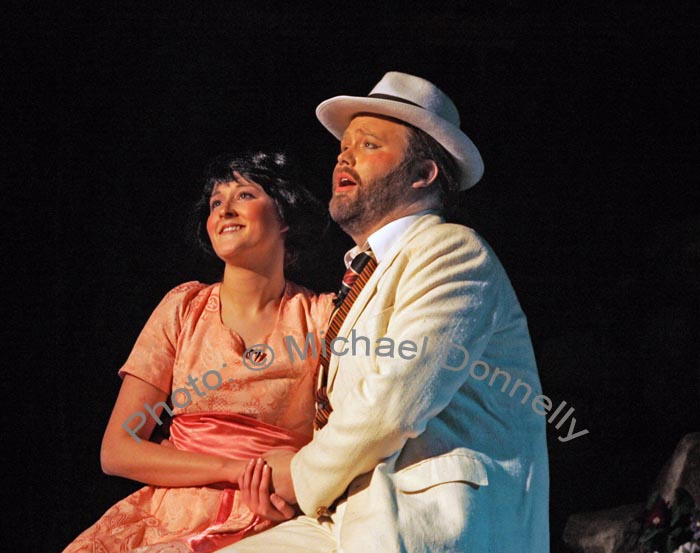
(381, 240)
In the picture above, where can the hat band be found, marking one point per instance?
(395, 99)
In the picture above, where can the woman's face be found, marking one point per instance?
(243, 223)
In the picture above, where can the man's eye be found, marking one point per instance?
(371, 145)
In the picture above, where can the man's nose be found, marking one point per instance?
(345, 157)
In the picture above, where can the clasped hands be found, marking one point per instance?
(266, 487)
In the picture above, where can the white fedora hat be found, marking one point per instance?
(415, 101)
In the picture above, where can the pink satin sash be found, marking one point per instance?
(237, 437)
(231, 435)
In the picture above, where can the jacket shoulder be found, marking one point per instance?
(448, 238)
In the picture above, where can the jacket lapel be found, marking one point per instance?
(369, 290)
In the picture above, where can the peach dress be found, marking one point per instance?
(221, 405)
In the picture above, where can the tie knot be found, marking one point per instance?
(360, 260)
(359, 263)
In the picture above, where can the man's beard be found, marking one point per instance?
(372, 200)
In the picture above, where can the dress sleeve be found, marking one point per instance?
(322, 309)
(153, 355)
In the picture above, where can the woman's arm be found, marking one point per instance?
(150, 463)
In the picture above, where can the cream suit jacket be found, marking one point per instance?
(434, 456)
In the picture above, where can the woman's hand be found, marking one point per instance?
(255, 484)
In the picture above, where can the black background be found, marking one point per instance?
(584, 115)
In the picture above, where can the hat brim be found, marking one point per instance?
(336, 113)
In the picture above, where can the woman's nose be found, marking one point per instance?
(228, 209)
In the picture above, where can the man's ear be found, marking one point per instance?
(426, 171)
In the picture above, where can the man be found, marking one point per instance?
(415, 449)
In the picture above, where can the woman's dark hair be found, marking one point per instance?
(297, 207)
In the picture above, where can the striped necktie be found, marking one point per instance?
(354, 279)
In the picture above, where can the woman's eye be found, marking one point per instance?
(214, 204)
(246, 195)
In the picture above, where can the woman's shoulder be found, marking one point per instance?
(186, 295)
(319, 305)
(188, 290)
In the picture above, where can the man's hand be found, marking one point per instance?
(256, 490)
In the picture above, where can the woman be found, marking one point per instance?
(221, 355)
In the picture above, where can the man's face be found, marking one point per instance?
(371, 177)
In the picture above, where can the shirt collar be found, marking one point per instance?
(381, 240)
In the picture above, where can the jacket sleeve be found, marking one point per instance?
(448, 291)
